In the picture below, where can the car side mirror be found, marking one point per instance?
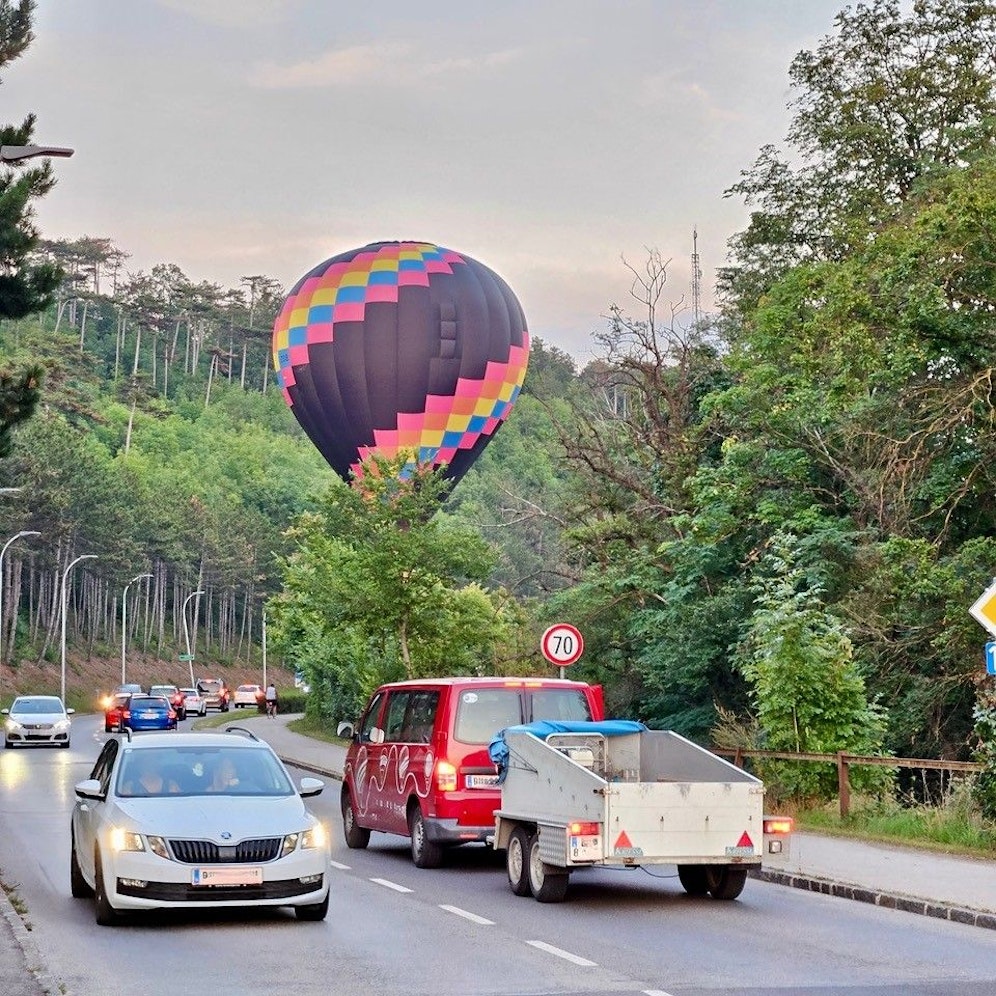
(4, 712)
(311, 786)
(90, 789)
(70, 712)
(376, 735)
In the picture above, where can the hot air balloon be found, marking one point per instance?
(401, 349)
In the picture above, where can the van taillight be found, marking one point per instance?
(446, 777)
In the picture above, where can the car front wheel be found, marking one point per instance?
(318, 911)
(77, 883)
(106, 914)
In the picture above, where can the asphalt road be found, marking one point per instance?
(458, 930)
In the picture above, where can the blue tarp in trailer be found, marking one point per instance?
(498, 748)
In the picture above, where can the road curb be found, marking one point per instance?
(22, 937)
(887, 900)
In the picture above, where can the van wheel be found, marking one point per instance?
(77, 883)
(725, 882)
(517, 861)
(425, 853)
(693, 879)
(547, 884)
(356, 837)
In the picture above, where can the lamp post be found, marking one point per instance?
(15, 153)
(186, 635)
(23, 532)
(124, 619)
(264, 646)
(65, 574)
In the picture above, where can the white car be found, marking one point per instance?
(193, 702)
(196, 821)
(37, 719)
(247, 696)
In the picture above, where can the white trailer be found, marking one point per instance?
(587, 799)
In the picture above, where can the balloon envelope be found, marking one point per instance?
(401, 349)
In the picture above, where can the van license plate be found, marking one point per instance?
(481, 781)
(226, 876)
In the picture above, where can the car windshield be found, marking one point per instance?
(162, 690)
(36, 706)
(210, 686)
(190, 691)
(196, 771)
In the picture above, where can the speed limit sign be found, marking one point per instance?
(562, 644)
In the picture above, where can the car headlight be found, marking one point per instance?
(12, 725)
(290, 843)
(62, 724)
(126, 840)
(158, 847)
(315, 837)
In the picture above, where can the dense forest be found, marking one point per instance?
(769, 524)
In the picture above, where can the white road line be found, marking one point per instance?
(560, 953)
(390, 885)
(339, 865)
(655, 992)
(473, 917)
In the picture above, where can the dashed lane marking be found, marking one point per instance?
(560, 953)
(390, 885)
(473, 917)
(339, 865)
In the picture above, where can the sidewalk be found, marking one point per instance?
(938, 885)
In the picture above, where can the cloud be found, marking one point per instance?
(392, 62)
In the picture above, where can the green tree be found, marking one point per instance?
(808, 692)
(894, 96)
(379, 589)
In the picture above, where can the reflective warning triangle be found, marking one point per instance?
(623, 840)
(745, 840)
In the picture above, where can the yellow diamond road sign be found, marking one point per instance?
(984, 609)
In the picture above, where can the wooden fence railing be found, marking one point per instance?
(845, 761)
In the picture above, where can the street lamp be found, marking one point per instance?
(65, 574)
(186, 635)
(124, 619)
(15, 153)
(23, 532)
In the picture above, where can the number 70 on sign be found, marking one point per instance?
(562, 644)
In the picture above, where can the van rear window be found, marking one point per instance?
(568, 705)
(482, 712)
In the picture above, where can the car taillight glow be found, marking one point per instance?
(446, 777)
(778, 824)
(578, 829)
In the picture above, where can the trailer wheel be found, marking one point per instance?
(517, 861)
(725, 882)
(693, 879)
(546, 885)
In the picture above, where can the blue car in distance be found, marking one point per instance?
(147, 712)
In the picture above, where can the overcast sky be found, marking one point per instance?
(549, 139)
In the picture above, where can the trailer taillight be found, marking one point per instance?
(584, 829)
(777, 824)
(446, 777)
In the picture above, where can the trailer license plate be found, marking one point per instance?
(481, 781)
(226, 876)
(587, 848)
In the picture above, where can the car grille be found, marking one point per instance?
(37, 726)
(206, 852)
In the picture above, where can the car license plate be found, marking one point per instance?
(149, 715)
(481, 781)
(226, 876)
(588, 848)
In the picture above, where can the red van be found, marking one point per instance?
(419, 766)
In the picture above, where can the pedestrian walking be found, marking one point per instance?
(271, 700)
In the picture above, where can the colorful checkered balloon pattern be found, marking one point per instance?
(334, 301)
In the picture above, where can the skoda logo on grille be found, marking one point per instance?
(225, 835)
